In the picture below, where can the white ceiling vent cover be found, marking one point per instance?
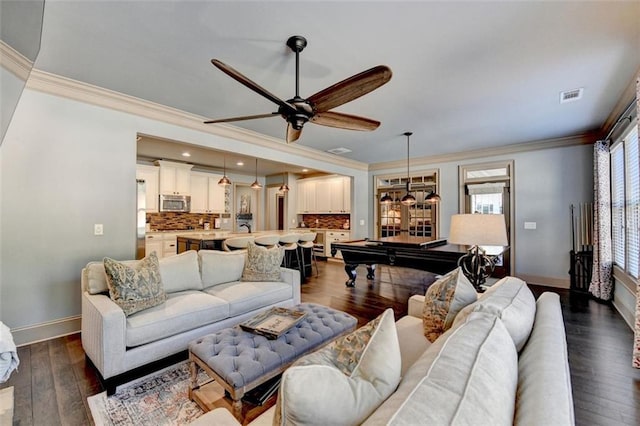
(571, 95)
(339, 151)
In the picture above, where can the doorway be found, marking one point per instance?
(487, 189)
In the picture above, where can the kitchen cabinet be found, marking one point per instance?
(324, 195)
(150, 175)
(153, 243)
(307, 196)
(175, 178)
(206, 195)
(164, 244)
(333, 237)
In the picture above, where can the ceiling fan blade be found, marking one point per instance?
(344, 121)
(351, 88)
(292, 134)
(251, 85)
(245, 117)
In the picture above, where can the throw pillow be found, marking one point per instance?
(443, 300)
(135, 288)
(263, 264)
(344, 382)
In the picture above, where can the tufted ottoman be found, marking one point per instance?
(240, 361)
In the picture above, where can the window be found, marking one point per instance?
(625, 202)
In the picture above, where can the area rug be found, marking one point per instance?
(161, 398)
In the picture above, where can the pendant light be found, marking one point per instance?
(432, 198)
(225, 180)
(408, 199)
(386, 199)
(284, 187)
(256, 185)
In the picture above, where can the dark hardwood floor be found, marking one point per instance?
(54, 380)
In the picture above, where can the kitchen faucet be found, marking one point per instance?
(246, 225)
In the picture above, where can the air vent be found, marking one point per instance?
(339, 151)
(571, 95)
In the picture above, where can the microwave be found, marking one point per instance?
(175, 203)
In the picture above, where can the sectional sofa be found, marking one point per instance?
(205, 293)
(503, 361)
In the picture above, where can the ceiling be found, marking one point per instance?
(466, 75)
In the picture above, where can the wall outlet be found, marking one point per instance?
(530, 225)
(98, 229)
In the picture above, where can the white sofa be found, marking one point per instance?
(474, 373)
(204, 294)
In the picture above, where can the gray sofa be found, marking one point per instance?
(204, 294)
(503, 361)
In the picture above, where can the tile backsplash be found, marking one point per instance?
(328, 221)
(178, 221)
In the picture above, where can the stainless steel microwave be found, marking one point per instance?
(175, 203)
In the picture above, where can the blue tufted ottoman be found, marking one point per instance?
(240, 361)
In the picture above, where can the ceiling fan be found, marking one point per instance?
(297, 111)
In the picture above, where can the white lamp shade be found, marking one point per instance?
(478, 229)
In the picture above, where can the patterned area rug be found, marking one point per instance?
(161, 398)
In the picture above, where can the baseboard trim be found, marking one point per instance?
(28, 335)
(626, 315)
(546, 281)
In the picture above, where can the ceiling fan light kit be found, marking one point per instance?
(297, 111)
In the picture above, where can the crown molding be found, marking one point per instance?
(627, 97)
(14, 61)
(582, 139)
(57, 85)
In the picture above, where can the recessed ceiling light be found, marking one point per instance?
(305, 170)
(239, 163)
(186, 154)
(339, 151)
(571, 95)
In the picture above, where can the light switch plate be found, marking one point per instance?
(530, 225)
(98, 229)
(361, 222)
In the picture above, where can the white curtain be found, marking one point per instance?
(636, 343)
(601, 285)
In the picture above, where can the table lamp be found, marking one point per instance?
(477, 230)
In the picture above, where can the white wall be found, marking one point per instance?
(65, 166)
(546, 183)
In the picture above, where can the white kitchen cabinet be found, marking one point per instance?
(333, 237)
(307, 196)
(324, 195)
(152, 243)
(164, 244)
(206, 195)
(150, 175)
(169, 245)
(175, 178)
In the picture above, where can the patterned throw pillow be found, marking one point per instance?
(443, 300)
(135, 288)
(344, 382)
(263, 264)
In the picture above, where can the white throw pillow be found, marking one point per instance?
(510, 300)
(466, 377)
(344, 382)
(219, 267)
(181, 272)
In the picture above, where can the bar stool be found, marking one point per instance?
(236, 243)
(305, 241)
(267, 240)
(290, 243)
